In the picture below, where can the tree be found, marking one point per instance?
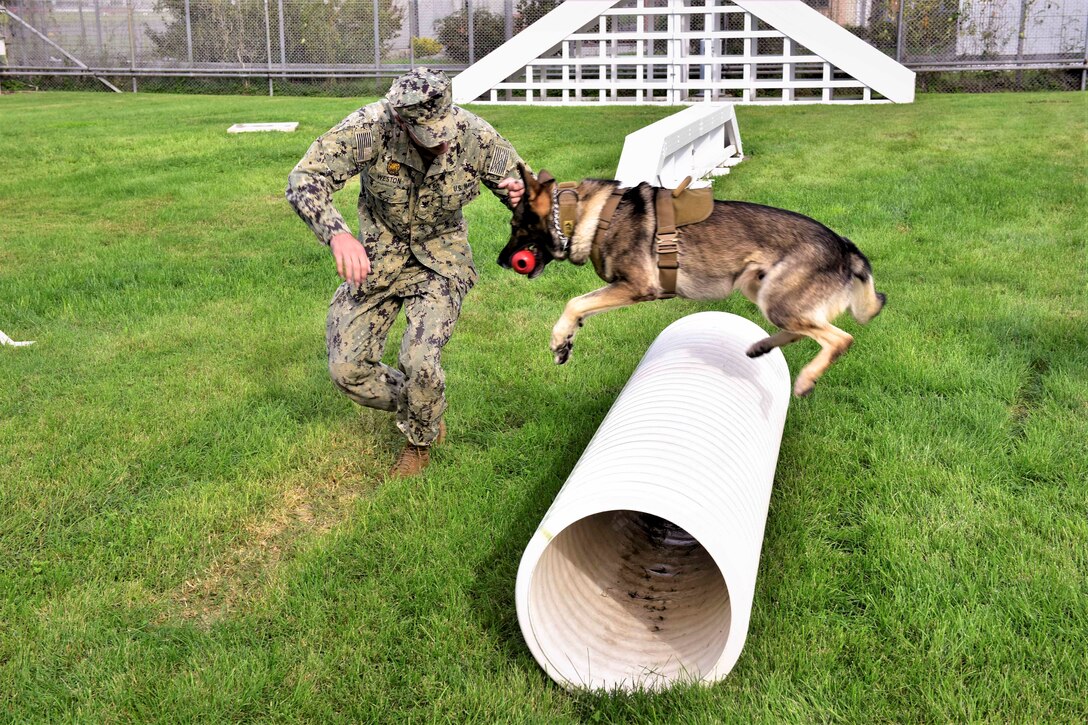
(489, 32)
(232, 31)
(529, 11)
(221, 31)
(931, 27)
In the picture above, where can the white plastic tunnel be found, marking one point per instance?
(643, 570)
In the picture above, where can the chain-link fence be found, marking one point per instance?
(354, 47)
(975, 45)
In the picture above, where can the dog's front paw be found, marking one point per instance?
(562, 342)
(562, 352)
(803, 387)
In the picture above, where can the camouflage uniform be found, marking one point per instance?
(410, 223)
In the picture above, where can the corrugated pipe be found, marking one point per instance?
(642, 573)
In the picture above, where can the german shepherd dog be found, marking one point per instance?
(798, 272)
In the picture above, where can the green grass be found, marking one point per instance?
(194, 525)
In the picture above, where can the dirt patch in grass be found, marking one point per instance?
(314, 500)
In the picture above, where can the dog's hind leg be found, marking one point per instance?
(767, 344)
(833, 343)
(578, 309)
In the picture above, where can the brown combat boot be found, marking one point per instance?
(413, 459)
(411, 462)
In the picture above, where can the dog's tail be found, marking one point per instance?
(865, 302)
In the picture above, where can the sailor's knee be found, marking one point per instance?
(351, 373)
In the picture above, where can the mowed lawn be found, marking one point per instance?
(194, 525)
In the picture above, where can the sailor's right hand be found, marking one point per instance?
(352, 264)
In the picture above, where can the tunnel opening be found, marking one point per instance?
(626, 599)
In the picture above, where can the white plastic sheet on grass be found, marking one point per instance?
(5, 340)
(285, 126)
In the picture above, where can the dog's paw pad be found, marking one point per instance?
(757, 349)
(562, 353)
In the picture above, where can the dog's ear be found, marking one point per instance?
(540, 195)
(538, 191)
(527, 176)
(532, 183)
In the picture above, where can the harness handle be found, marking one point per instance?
(680, 189)
(666, 242)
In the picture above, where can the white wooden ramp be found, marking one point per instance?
(699, 141)
(684, 51)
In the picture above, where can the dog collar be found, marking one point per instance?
(564, 212)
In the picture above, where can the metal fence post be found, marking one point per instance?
(1021, 35)
(900, 41)
(413, 21)
(508, 10)
(1084, 72)
(268, 44)
(188, 32)
(98, 29)
(132, 41)
(1021, 40)
(377, 40)
(471, 32)
(283, 37)
(82, 32)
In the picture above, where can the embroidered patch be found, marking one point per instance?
(364, 145)
(500, 159)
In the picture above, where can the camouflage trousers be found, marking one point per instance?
(355, 334)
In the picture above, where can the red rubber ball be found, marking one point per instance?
(524, 261)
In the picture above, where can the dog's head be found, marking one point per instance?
(532, 228)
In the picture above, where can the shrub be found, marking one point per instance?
(425, 47)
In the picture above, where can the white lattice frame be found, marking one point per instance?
(799, 76)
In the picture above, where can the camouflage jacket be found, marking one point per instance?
(405, 206)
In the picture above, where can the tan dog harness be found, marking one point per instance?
(675, 208)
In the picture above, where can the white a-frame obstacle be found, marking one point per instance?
(684, 51)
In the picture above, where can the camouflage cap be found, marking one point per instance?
(424, 99)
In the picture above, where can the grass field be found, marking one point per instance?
(195, 528)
